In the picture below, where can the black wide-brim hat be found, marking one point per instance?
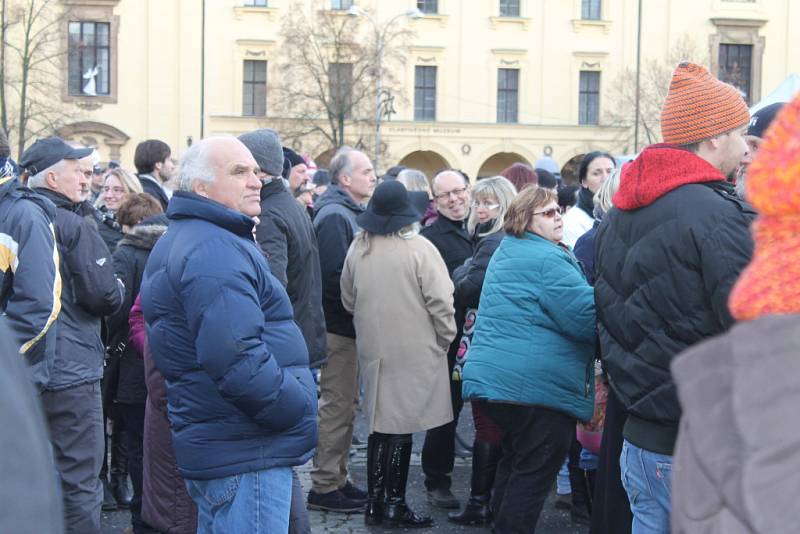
(389, 209)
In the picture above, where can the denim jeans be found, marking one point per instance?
(257, 502)
(646, 477)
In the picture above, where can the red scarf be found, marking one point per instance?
(658, 170)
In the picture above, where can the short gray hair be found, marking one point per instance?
(195, 165)
(414, 180)
(39, 179)
(341, 164)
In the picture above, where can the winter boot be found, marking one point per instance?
(485, 457)
(376, 478)
(119, 469)
(397, 513)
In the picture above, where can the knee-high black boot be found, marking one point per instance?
(376, 478)
(119, 467)
(397, 513)
(484, 466)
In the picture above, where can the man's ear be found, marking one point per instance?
(50, 179)
(157, 166)
(200, 187)
(345, 180)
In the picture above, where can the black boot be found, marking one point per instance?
(397, 513)
(376, 478)
(581, 511)
(484, 466)
(119, 469)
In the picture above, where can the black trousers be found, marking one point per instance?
(535, 442)
(133, 416)
(611, 513)
(439, 449)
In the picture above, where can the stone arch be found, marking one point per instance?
(496, 163)
(428, 161)
(107, 139)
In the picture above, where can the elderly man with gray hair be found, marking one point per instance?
(352, 183)
(69, 379)
(241, 399)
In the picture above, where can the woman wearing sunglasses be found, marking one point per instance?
(531, 359)
(491, 198)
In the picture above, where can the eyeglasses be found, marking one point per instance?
(485, 205)
(549, 213)
(456, 192)
(115, 190)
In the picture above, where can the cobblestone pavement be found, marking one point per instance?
(552, 521)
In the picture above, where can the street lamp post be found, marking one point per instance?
(380, 42)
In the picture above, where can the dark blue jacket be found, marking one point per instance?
(89, 292)
(30, 284)
(335, 224)
(240, 395)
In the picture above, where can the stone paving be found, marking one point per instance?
(552, 521)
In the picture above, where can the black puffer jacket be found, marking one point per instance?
(468, 278)
(665, 259)
(129, 261)
(287, 237)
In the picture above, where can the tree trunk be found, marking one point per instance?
(3, 29)
(23, 94)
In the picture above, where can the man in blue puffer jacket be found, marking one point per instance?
(241, 399)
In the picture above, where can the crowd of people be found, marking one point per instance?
(197, 329)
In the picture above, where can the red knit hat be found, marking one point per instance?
(771, 283)
(699, 106)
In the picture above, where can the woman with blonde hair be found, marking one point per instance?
(532, 355)
(396, 285)
(118, 184)
(491, 198)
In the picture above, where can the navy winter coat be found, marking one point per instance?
(240, 395)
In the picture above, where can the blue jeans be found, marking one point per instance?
(646, 477)
(257, 502)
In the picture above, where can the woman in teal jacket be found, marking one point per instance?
(532, 355)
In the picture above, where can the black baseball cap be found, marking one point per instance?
(47, 152)
(762, 118)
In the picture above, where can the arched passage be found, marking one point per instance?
(427, 161)
(498, 162)
(106, 138)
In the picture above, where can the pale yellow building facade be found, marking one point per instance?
(176, 71)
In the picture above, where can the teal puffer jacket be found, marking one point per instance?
(535, 334)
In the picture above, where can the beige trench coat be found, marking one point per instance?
(401, 298)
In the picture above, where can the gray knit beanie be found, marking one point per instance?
(265, 145)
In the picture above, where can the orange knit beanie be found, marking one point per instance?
(699, 106)
(771, 283)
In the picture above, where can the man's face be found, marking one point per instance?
(361, 183)
(733, 151)
(753, 145)
(97, 181)
(299, 177)
(87, 167)
(236, 184)
(165, 169)
(452, 195)
(69, 180)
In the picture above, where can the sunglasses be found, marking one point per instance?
(549, 213)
